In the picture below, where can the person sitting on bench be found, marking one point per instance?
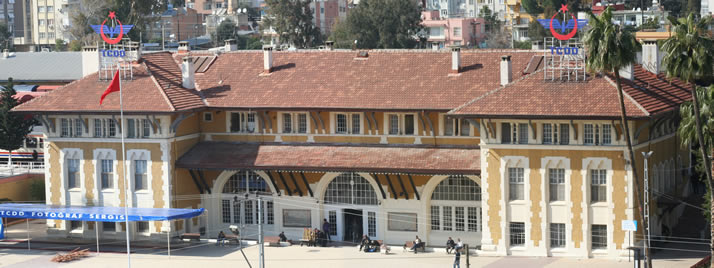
(364, 243)
(450, 245)
(221, 239)
(417, 244)
(282, 236)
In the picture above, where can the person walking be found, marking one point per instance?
(457, 259)
(326, 228)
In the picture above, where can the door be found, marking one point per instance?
(353, 225)
(369, 223)
(334, 216)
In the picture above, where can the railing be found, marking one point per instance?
(18, 168)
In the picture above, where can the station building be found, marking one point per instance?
(474, 145)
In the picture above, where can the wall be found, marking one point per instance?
(17, 188)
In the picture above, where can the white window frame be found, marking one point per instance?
(243, 122)
(294, 122)
(457, 125)
(350, 124)
(105, 128)
(598, 134)
(401, 124)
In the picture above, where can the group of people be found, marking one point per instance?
(372, 245)
(454, 246)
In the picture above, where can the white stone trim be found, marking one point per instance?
(508, 206)
(587, 207)
(106, 197)
(546, 204)
(140, 198)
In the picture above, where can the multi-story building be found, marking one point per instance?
(7, 14)
(219, 7)
(45, 22)
(475, 145)
(327, 13)
(452, 31)
(466, 8)
(179, 24)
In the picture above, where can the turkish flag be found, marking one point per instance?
(113, 87)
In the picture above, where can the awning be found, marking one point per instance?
(337, 158)
(104, 214)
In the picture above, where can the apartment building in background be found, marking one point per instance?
(466, 8)
(444, 32)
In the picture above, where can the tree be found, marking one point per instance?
(292, 20)
(674, 7)
(532, 7)
(693, 6)
(75, 45)
(610, 48)
(688, 56)
(13, 127)
(139, 13)
(536, 31)
(380, 24)
(5, 39)
(60, 45)
(178, 3)
(492, 21)
(226, 30)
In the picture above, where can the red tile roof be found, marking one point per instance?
(141, 95)
(226, 155)
(390, 80)
(533, 97)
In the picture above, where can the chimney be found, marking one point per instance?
(628, 72)
(231, 45)
(187, 73)
(330, 45)
(455, 60)
(268, 58)
(183, 47)
(90, 60)
(650, 56)
(506, 74)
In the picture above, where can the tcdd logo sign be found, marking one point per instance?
(564, 50)
(118, 29)
(117, 53)
(554, 24)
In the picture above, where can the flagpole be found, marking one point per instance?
(123, 158)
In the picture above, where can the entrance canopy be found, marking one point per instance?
(104, 214)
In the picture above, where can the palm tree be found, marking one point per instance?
(610, 48)
(688, 56)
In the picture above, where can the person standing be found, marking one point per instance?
(326, 228)
(457, 259)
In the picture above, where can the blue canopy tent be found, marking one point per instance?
(95, 214)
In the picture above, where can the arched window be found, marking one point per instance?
(456, 216)
(350, 188)
(457, 188)
(242, 180)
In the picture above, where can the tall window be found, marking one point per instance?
(557, 235)
(350, 188)
(70, 127)
(505, 133)
(606, 134)
(589, 137)
(332, 217)
(393, 124)
(104, 127)
(142, 226)
(287, 123)
(522, 133)
(98, 128)
(564, 134)
(598, 185)
(447, 219)
(146, 128)
(236, 211)
(348, 123)
(435, 218)
(269, 208)
(107, 173)
(226, 211)
(474, 219)
(130, 128)
(64, 127)
(515, 183)
(556, 177)
(72, 173)
(459, 217)
(371, 223)
(518, 234)
(401, 124)
(140, 175)
(599, 236)
(547, 134)
(242, 122)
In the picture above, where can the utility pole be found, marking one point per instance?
(261, 260)
(163, 35)
(648, 257)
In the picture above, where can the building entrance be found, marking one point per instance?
(353, 225)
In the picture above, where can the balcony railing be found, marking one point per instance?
(18, 168)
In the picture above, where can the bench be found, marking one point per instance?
(272, 240)
(409, 244)
(191, 236)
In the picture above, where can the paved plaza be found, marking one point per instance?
(14, 253)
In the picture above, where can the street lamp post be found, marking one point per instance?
(646, 156)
